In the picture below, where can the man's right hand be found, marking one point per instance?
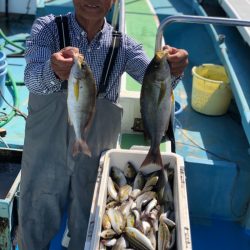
(62, 61)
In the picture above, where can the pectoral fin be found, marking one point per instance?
(76, 89)
(162, 92)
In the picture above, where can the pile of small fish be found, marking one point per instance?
(139, 212)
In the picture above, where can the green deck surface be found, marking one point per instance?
(140, 25)
(129, 140)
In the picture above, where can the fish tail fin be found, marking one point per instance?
(81, 145)
(153, 160)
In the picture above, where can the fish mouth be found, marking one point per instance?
(161, 54)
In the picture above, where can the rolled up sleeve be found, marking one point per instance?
(38, 76)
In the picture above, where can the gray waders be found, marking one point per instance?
(51, 178)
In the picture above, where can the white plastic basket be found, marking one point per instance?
(118, 158)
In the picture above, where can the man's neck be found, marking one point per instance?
(92, 28)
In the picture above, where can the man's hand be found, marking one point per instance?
(178, 60)
(62, 61)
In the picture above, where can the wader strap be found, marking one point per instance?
(63, 31)
(109, 61)
(64, 39)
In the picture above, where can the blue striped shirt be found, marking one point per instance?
(44, 41)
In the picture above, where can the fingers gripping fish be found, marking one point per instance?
(155, 101)
(81, 102)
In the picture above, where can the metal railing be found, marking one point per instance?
(122, 16)
(197, 20)
(119, 15)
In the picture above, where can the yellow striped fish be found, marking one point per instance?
(155, 101)
(81, 102)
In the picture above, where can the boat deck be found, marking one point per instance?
(14, 138)
(215, 149)
(57, 7)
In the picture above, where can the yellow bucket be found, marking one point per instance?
(211, 92)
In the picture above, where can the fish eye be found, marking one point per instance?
(156, 65)
(83, 66)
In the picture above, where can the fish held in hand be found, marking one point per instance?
(81, 102)
(156, 105)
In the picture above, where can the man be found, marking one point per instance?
(51, 177)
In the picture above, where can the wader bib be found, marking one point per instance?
(51, 178)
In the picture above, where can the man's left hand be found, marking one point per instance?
(178, 60)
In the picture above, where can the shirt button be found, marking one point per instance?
(52, 82)
(89, 49)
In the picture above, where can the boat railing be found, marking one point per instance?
(239, 92)
(119, 16)
(198, 20)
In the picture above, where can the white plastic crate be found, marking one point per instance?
(118, 158)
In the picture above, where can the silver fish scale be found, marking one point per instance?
(155, 100)
(81, 102)
(135, 234)
(136, 244)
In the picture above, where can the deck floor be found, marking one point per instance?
(15, 128)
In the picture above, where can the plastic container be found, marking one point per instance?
(211, 92)
(3, 66)
(177, 108)
(2, 58)
(3, 72)
(118, 158)
(2, 83)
